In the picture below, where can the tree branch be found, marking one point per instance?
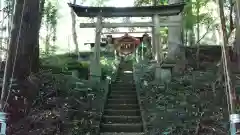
(203, 34)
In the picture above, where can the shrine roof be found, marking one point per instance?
(144, 11)
(127, 38)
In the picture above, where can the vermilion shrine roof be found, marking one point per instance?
(127, 38)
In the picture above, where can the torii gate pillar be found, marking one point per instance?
(95, 66)
(157, 44)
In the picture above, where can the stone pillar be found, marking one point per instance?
(75, 73)
(153, 42)
(95, 69)
(157, 46)
(174, 35)
(154, 3)
(115, 55)
(157, 38)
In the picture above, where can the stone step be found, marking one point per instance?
(121, 86)
(124, 92)
(129, 76)
(121, 119)
(130, 112)
(117, 127)
(130, 80)
(123, 98)
(122, 101)
(126, 74)
(122, 106)
(122, 113)
(115, 96)
(125, 77)
(107, 133)
(125, 81)
(123, 89)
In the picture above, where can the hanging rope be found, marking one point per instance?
(228, 86)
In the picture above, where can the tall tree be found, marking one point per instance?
(35, 62)
(237, 34)
(226, 60)
(24, 39)
(189, 23)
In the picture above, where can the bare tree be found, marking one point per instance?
(74, 32)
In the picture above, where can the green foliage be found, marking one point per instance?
(108, 67)
(192, 13)
(98, 3)
(192, 17)
(149, 2)
(50, 19)
(164, 35)
(66, 62)
(9, 7)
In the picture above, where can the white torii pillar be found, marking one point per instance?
(95, 65)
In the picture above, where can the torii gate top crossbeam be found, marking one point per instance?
(146, 11)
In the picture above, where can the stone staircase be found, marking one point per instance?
(122, 114)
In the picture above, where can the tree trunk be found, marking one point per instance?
(24, 39)
(30, 36)
(74, 33)
(47, 42)
(237, 11)
(198, 19)
(191, 36)
(226, 61)
(198, 34)
(237, 40)
(11, 50)
(35, 61)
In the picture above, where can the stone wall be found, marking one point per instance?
(207, 54)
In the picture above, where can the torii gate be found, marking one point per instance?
(146, 11)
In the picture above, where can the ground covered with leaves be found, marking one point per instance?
(191, 104)
(60, 108)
